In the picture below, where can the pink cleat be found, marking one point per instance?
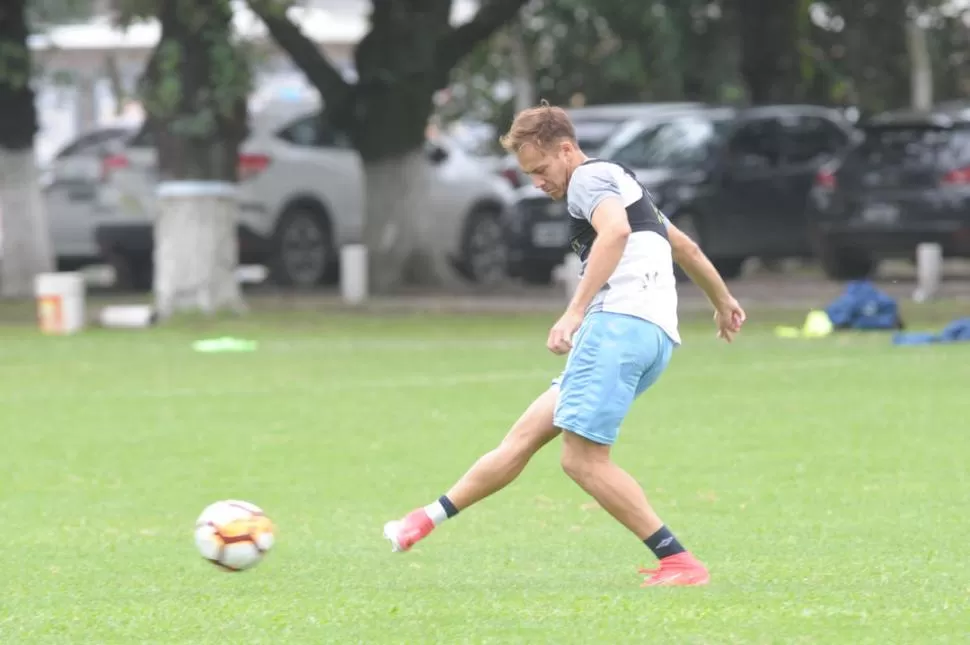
(682, 569)
(407, 532)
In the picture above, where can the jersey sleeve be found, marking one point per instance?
(589, 186)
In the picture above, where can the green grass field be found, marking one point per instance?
(824, 483)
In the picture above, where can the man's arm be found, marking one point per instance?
(594, 196)
(612, 230)
(689, 256)
(728, 314)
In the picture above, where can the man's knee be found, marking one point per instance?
(520, 447)
(533, 430)
(581, 457)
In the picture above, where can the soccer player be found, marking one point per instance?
(619, 329)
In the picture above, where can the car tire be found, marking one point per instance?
(132, 273)
(845, 264)
(484, 250)
(303, 248)
(538, 273)
(729, 267)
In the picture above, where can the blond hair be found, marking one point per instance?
(540, 126)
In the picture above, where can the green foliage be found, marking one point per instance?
(162, 92)
(18, 115)
(130, 11)
(195, 89)
(45, 13)
(228, 72)
(608, 51)
(14, 65)
(616, 50)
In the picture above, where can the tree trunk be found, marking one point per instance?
(401, 62)
(403, 244)
(921, 66)
(196, 252)
(394, 103)
(522, 68)
(195, 89)
(769, 49)
(26, 248)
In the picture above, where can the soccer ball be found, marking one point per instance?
(233, 535)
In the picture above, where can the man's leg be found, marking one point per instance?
(490, 474)
(590, 466)
(613, 364)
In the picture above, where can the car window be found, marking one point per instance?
(313, 131)
(812, 140)
(755, 145)
(592, 134)
(909, 146)
(92, 142)
(678, 144)
(144, 139)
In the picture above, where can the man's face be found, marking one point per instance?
(548, 167)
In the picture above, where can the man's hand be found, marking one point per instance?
(561, 335)
(728, 316)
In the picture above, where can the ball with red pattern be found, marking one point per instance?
(234, 535)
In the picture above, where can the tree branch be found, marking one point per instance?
(492, 15)
(304, 53)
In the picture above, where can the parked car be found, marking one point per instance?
(70, 187)
(301, 199)
(905, 181)
(735, 179)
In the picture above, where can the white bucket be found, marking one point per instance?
(128, 316)
(60, 302)
(929, 271)
(353, 273)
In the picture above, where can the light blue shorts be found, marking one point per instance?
(614, 359)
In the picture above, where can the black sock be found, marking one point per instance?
(446, 504)
(663, 543)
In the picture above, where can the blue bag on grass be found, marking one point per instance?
(957, 331)
(862, 306)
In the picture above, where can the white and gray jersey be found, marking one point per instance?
(643, 284)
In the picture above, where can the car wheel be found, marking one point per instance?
(845, 264)
(132, 273)
(728, 267)
(484, 254)
(537, 272)
(303, 254)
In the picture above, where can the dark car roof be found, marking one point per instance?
(761, 111)
(627, 110)
(944, 116)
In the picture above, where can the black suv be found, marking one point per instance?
(735, 179)
(905, 181)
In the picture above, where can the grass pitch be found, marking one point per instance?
(824, 483)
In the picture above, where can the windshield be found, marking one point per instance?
(900, 147)
(591, 134)
(676, 144)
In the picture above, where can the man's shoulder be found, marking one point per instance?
(595, 169)
(590, 177)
